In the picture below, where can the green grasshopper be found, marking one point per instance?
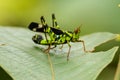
(57, 36)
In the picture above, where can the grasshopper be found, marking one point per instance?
(57, 36)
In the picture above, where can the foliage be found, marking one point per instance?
(24, 60)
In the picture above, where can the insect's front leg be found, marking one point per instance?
(83, 45)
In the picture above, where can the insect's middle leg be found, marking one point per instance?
(68, 51)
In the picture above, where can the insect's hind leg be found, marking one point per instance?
(44, 25)
(43, 20)
(54, 22)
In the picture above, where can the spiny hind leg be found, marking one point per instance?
(43, 20)
(44, 25)
(54, 22)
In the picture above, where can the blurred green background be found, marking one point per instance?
(95, 15)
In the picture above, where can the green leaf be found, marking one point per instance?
(117, 75)
(24, 60)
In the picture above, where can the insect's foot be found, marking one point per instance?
(88, 51)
